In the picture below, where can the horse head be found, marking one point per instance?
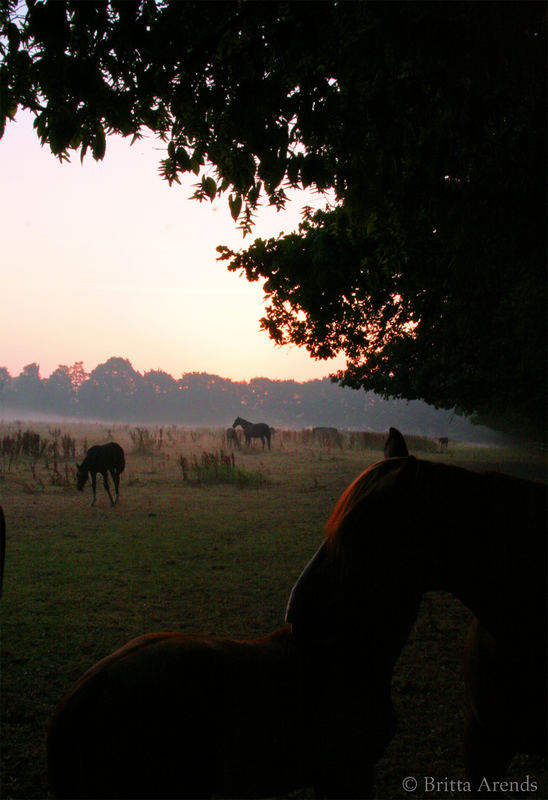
(366, 578)
(237, 422)
(81, 476)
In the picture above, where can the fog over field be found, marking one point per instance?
(115, 392)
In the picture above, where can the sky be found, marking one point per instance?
(104, 259)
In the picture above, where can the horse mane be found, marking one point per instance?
(379, 479)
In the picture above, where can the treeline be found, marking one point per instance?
(116, 392)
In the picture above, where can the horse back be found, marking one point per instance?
(102, 457)
(218, 715)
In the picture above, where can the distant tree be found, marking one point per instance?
(29, 388)
(111, 391)
(6, 391)
(204, 397)
(427, 120)
(59, 391)
(157, 395)
(77, 374)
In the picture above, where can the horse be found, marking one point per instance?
(384, 548)
(173, 715)
(253, 430)
(103, 458)
(327, 436)
(232, 438)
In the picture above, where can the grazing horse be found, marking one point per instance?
(384, 548)
(103, 458)
(253, 430)
(174, 715)
(327, 436)
(2, 547)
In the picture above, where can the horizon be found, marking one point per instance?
(103, 256)
(175, 377)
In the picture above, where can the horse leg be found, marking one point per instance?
(116, 479)
(94, 487)
(107, 487)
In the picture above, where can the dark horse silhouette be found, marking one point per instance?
(253, 430)
(173, 715)
(103, 458)
(384, 548)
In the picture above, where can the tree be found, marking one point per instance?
(157, 392)
(29, 387)
(6, 390)
(59, 391)
(427, 120)
(111, 390)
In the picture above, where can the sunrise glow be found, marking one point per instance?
(105, 259)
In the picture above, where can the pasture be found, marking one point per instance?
(204, 543)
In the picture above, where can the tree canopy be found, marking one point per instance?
(427, 120)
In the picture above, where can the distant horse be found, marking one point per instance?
(443, 442)
(395, 445)
(232, 438)
(385, 547)
(103, 458)
(2, 547)
(327, 436)
(257, 430)
(173, 715)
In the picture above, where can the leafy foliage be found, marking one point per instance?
(427, 120)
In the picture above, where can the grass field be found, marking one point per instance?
(199, 551)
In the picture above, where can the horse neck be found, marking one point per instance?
(487, 546)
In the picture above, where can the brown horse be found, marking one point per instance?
(181, 716)
(385, 547)
(254, 430)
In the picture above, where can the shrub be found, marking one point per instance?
(218, 467)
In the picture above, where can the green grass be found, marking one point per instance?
(208, 557)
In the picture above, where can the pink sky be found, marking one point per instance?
(105, 259)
